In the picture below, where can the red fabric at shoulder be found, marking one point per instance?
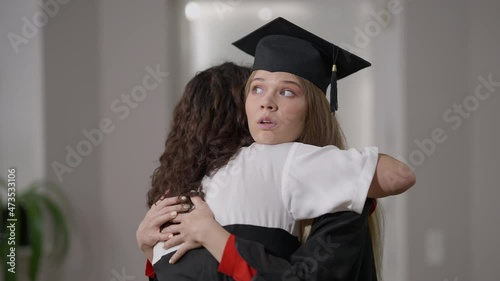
(233, 265)
(150, 270)
(374, 206)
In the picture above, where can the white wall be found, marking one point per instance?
(133, 38)
(390, 117)
(451, 210)
(21, 92)
(439, 206)
(72, 103)
(21, 98)
(96, 53)
(484, 42)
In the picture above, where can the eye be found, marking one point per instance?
(257, 90)
(287, 93)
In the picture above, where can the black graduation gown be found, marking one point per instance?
(338, 249)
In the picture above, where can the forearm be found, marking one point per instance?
(148, 253)
(391, 177)
(214, 238)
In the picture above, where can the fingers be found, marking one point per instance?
(174, 228)
(169, 201)
(201, 206)
(183, 217)
(197, 200)
(182, 251)
(165, 237)
(162, 219)
(154, 214)
(179, 253)
(148, 232)
(180, 208)
(173, 241)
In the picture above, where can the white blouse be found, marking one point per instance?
(276, 186)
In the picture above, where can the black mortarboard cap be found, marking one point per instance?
(285, 47)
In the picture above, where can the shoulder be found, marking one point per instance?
(269, 148)
(330, 150)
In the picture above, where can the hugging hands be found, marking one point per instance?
(175, 220)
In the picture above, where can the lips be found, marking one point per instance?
(266, 123)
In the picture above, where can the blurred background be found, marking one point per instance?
(74, 70)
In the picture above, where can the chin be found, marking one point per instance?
(261, 141)
(267, 140)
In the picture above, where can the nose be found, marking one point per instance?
(268, 103)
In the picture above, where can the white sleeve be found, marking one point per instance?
(321, 180)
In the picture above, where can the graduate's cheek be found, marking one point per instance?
(293, 117)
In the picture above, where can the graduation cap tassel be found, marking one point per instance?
(333, 90)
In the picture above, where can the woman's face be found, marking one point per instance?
(276, 107)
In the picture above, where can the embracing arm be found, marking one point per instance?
(339, 248)
(391, 177)
(347, 177)
(149, 231)
(196, 228)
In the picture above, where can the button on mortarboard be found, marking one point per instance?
(285, 47)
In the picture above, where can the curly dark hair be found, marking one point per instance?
(208, 128)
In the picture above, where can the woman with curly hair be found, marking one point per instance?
(208, 128)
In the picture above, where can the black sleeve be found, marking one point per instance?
(339, 248)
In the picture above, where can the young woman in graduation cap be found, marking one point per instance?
(285, 102)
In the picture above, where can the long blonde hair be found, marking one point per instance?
(322, 128)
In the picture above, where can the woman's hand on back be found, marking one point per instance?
(195, 229)
(149, 231)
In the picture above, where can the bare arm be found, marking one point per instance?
(391, 177)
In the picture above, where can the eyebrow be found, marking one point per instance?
(281, 81)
